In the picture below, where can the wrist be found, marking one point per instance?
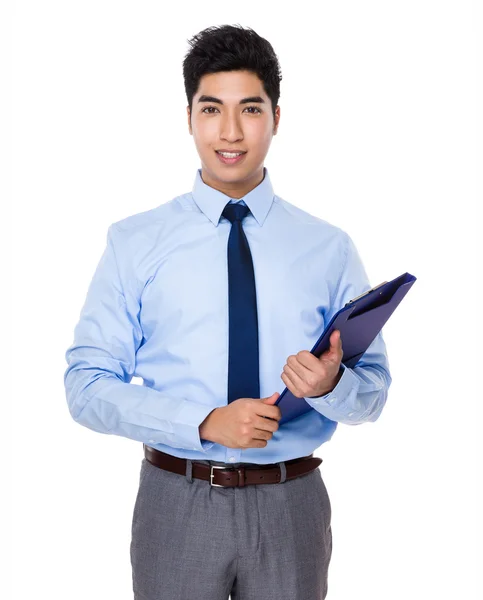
(331, 387)
(336, 380)
(204, 428)
(338, 376)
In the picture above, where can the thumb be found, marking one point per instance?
(335, 345)
(271, 399)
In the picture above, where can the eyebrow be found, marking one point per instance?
(257, 99)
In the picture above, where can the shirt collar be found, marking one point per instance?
(212, 202)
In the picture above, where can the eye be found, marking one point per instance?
(256, 108)
(210, 113)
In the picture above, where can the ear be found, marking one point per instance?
(189, 124)
(276, 120)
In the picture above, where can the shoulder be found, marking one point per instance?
(303, 217)
(148, 224)
(146, 218)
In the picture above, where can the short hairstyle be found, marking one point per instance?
(231, 48)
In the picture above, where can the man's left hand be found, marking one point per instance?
(305, 375)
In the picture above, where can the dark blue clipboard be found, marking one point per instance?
(359, 323)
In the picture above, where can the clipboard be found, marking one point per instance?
(359, 321)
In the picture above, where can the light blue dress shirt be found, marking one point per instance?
(157, 308)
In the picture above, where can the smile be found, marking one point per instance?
(229, 158)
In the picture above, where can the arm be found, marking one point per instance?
(101, 363)
(361, 392)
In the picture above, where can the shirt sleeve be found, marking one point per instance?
(101, 363)
(361, 392)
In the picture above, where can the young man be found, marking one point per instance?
(214, 299)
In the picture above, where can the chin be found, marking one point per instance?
(230, 173)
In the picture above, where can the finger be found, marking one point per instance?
(335, 349)
(339, 345)
(296, 383)
(335, 339)
(296, 365)
(288, 382)
(307, 359)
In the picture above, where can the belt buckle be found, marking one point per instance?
(212, 475)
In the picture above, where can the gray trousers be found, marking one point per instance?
(192, 541)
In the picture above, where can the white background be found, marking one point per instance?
(378, 136)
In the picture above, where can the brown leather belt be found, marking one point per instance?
(239, 476)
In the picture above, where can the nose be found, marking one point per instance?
(231, 130)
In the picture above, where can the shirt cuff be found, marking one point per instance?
(190, 416)
(329, 404)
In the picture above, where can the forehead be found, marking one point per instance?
(231, 86)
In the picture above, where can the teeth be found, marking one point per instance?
(230, 154)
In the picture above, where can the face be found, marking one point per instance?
(222, 119)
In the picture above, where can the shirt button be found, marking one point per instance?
(152, 442)
(232, 459)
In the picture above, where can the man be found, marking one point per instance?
(214, 299)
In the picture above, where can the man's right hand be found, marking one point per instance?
(241, 423)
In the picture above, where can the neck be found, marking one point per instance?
(233, 189)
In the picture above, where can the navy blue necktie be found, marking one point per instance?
(243, 362)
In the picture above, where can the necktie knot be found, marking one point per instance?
(235, 211)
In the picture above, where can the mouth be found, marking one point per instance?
(230, 158)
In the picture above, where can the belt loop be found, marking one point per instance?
(189, 470)
(283, 472)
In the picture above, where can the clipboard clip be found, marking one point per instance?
(365, 293)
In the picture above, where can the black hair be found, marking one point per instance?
(231, 48)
